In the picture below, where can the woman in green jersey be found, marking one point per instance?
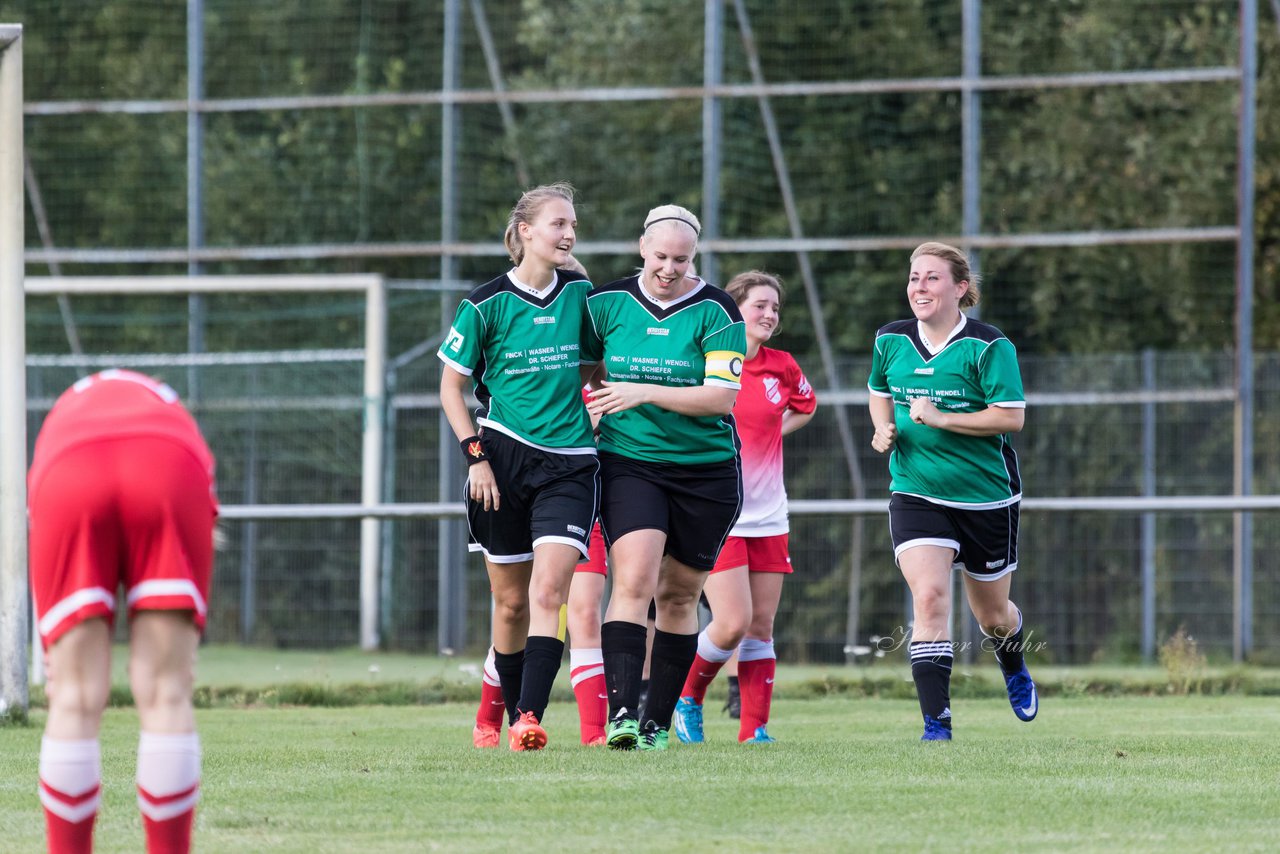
(531, 490)
(582, 622)
(946, 397)
(671, 349)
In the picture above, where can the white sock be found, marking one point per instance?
(709, 651)
(490, 675)
(70, 777)
(754, 649)
(585, 663)
(168, 766)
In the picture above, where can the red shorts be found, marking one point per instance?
(757, 554)
(596, 554)
(135, 511)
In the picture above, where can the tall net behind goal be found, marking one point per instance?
(290, 425)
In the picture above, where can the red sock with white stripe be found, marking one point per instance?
(492, 707)
(706, 664)
(168, 788)
(586, 673)
(757, 665)
(70, 790)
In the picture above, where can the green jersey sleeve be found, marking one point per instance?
(463, 347)
(725, 350)
(1001, 379)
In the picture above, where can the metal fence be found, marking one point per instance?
(332, 153)
(1095, 584)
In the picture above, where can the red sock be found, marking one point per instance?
(586, 673)
(66, 837)
(168, 788)
(70, 790)
(700, 675)
(492, 707)
(171, 836)
(755, 681)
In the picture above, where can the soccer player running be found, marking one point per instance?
(946, 395)
(671, 349)
(745, 586)
(121, 492)
(531, 489)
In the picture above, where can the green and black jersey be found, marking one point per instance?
(698, 339)
(976, 368)
(523, 349)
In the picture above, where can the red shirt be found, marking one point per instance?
(115, 404)
(772, 383)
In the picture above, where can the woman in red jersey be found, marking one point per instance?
(745, 586)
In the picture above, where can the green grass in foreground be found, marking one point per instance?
(1091, 774)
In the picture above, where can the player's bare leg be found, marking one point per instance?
(757, 665)
(549, 582)
(162, 657)
(729, 594)
(675, 644)
(509, 583)
(79, 682)
(586, 661)
(634, 558)
(927, 570)
(1001, 622)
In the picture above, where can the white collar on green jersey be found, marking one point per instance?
(935, 349)
(529, 289)
(670, 302)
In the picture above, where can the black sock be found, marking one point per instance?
(510, 667)
(733, 704)
(1009, 650)
(672, 657)
(541, 664)
(622, 645)
(931, 670)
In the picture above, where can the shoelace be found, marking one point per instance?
(1020, 689)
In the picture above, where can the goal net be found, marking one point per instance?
(292, 426)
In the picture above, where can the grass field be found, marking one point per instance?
(1093, 773)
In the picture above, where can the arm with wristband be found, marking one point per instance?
(483, 485)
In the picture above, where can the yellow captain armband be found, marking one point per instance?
(724, 365)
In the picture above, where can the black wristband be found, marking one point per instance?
(473, 450)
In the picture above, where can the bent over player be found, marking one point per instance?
(121, 493)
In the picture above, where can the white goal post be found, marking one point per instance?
(13, 417)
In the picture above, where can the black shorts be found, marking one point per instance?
(546, 498)
(985, 541)
(694, 505)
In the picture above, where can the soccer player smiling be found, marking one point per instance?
(671, 349)
(532, 479)
(946, 397)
